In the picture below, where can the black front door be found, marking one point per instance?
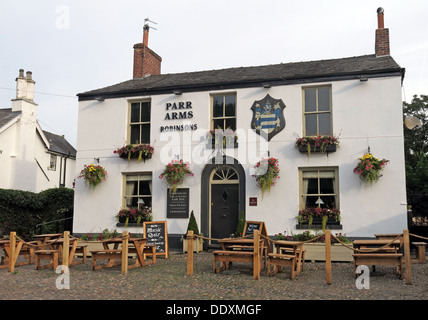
(224, 210)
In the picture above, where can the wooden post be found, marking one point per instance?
(407, 260)
(66, 248)
(327, 257)
(256, 258)
(190, 253)
(125, 239)
(12, 243)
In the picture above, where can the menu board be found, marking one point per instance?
(177, 204)
(250, 226)
(156, 234)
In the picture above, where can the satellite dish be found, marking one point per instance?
(412, 122)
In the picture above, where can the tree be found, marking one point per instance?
(416, 153)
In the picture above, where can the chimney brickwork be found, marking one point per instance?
(146, 61)
(382, 36)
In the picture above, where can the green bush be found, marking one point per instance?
(21, 211)
(193, 225)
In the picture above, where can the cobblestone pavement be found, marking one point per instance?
(167, 280)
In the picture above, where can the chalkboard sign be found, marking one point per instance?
(250, 226)
(156, 234)
(177, 204)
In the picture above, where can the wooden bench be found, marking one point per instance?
(110, 255)
(148, 250)
(227, 256)
(290, 252)
(51, 255)
(279, 260)
(420, 252)
(393, 259)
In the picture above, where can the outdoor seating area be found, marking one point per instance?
(63, 249)
(265, 255)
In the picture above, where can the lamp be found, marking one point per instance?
(177, 92)
(363, 79)
(319, 202)
(266, 85)
(100, 99)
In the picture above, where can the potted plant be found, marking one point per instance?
(266, 173)
(134, 216)
(138, 151)
(174, 174)
(308, 215)
(93, 175)
(323, 144)
(228, 138)
(198, 242)
(369, 168)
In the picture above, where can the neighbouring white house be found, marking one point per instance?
(356, 100)
(32, 159)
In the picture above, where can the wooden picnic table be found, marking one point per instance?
(238, 250)
(387, 236)
(290, 248)
(57, 244)
(138, 246)
(42, 239)
(378, 252)
(20, 249)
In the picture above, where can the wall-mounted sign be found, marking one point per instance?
(177, 203)
(253, 201)
(268, 117)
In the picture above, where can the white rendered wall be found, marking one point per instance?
(365, 114)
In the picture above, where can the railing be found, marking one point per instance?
(57, 229)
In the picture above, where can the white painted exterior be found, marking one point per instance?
(23, 147)
(365, 114)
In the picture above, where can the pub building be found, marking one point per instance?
(356, 101)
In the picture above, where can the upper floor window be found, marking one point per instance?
(223, 112)
(139, 122)
(317, 111)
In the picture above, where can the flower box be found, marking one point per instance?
(198, 245)
(139, 152)
(332, 224)
(313, 148)
(136, 156)
(316, 252)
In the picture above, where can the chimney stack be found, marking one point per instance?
(382, 36)
(25, 86)
(146, 61)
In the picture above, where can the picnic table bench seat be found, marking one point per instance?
(279, 260)
(81, 249)
(227, 256)
(110, 254)
(51, 255)
(392, 259)
(420, 252)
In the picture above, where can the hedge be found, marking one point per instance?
(21, 211)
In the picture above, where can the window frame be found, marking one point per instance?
(317, 112)
(125, 196)
(224, 117)
(336, 193)
(139, 123)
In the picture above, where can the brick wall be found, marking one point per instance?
(146, 61)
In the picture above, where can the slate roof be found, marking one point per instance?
(6, 115)
(59, 144)
(278, 74)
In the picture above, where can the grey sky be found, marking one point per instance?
(95, 49)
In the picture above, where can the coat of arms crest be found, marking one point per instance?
(268, 118)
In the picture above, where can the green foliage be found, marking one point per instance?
(241, 224)
(21, 211)
(416, 153)
(193, 225)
